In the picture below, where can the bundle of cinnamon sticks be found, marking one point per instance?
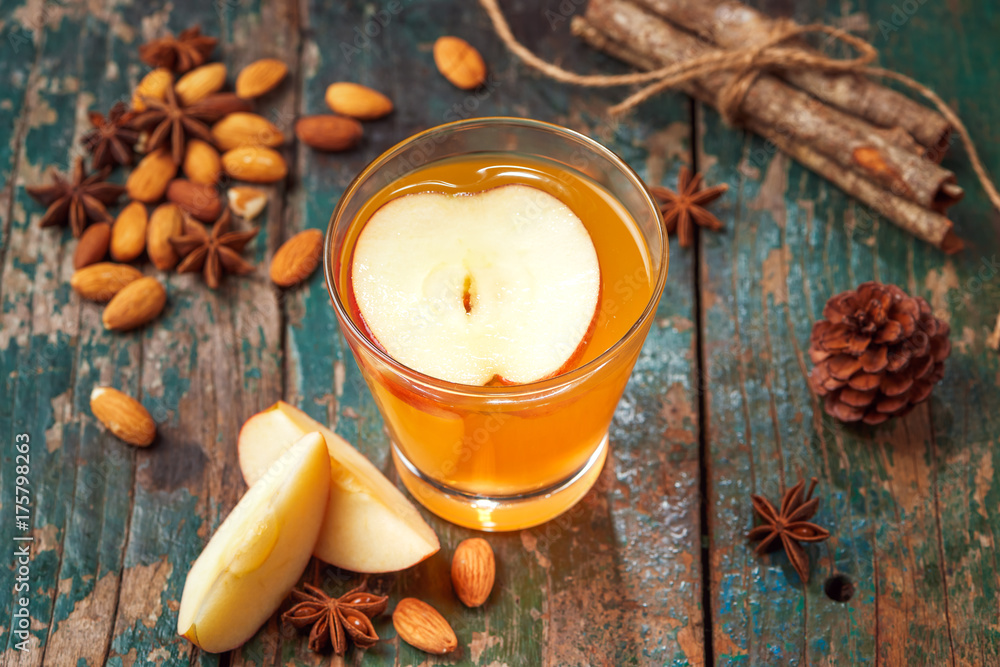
(877, 145)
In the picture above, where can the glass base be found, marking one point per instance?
(500, 513)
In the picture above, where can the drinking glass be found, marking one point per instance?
(500, 457)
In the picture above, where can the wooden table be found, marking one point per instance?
(653, 567)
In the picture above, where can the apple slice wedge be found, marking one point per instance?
(498, 286)
(369, 524)
(258, 553)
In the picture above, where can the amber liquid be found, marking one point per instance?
(495, 445)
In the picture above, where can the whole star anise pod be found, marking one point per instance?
(790, 525)
(682, 209)
(878, 352)
(213, 254)
(181, 53)
(112, 139)
(328, 618)
(172, 122)
(79, 201)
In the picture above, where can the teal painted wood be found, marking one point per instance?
(99, 500)
(903, 507)
(212, 361)
(619, 579)
(570, 592)
(962, 428)
(40, 320)
(118, 528)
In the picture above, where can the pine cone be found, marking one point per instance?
(878, 353)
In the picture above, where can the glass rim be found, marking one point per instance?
(511, 391)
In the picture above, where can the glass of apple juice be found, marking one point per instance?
(495, 279)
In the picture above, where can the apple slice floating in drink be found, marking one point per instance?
(369, 525)
(501, 286)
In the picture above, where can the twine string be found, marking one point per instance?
(747, 64)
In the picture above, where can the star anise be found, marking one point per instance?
(181, 53)
(685, 207)
(172, 122)
(328, 618)
(79, 201)
(213, 254)
(791, 525)
(112, 139)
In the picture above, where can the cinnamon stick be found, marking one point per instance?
(771, 103)
(731, 24)
(923, 223)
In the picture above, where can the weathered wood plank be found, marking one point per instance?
(618, 580)
(592, 587)
(791, 242)
(962, 425)
(40, 324)
(255, 30)
(212, 360)
(100, 501)
(21, 34)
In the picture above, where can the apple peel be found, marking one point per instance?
(369, 525)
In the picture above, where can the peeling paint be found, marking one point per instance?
(771, 197)
(984, 481)
(83, 633)
(774, 282)
(480, 642)
(530, 544)
(939, 282)
(152, 579)
(666, 147)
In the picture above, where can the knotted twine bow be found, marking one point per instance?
(747, 64)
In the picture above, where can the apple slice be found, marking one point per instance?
(259, 552)
(501, 285)
(369, 525)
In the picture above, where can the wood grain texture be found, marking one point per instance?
(591, 587)
(901, 504)
(616, 581)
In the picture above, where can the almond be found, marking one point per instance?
(459, 62)
(128, 234)
(328, 133)
(421, 626)
(201, 201)
(473, 569)
(218, 105)
(101, 281)
(152, 86)
(167, 221)
(357, 101)
(93, 245)
(297, 258)
(256, 164)
(123, 415)
(201, 162)
(135, 304)
(149, 180)
(260, 77)
(246, 129)
(200, 82)
(246, 202)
